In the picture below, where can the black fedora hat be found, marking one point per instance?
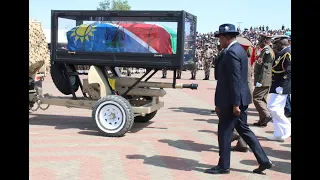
(227, 29)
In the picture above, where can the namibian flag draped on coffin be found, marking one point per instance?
(134, 38)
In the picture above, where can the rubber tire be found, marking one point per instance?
(60, 80)
(146, 118)
(127, 110)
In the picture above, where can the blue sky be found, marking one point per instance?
(210, 14)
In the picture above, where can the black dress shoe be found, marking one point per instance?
(163, 77)
(240, 149)
(206, 78)
(261, 123)
(213, 111)
(217, 170)
(265, 121)
(263, 167)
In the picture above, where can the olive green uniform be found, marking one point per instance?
(179, 72)
(208, 57)
(164, 73)
(195, 65)
(263, 76)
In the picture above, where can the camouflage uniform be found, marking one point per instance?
(195, 66)
(128, 70)
(208, 55)
(179, 72)
(164, 73)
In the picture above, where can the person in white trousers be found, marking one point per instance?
(280, 89)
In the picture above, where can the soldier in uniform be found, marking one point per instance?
(280, 89)
(208, 56)
(262, 80)
(287, 108)
(128, 70)
(164, 73)
(179, 72)
(195, 65)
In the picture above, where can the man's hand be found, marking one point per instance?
(279, 90)
(236, 110)
(217, 111)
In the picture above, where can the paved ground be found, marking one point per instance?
(177, 144)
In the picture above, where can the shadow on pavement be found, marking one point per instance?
(177, 163)
(280, 154)
(211, 121)
(85, 124)
(191, 110)
(188, 145)
(282, 167)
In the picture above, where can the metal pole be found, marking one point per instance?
(239, 24)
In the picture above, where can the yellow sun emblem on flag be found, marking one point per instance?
(83, 32)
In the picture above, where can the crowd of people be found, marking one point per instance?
(252, 34)
(207, 48)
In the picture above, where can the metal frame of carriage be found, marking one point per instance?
(116, 102)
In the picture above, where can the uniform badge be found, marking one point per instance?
(267, 51)
(285, 77)
(226, 28)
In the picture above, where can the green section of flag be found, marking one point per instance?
(173, 38)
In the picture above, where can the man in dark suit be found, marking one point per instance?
(231, 100)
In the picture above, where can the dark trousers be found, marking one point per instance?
(287, 108)
(227, 122)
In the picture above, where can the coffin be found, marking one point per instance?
(124, 37)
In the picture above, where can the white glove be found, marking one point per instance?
(279, 90)
(258, 84)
